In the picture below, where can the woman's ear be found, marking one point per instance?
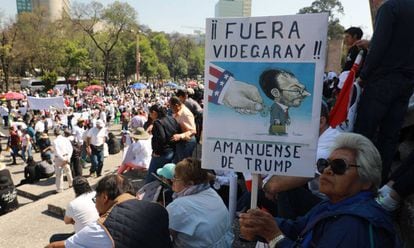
(275, 93)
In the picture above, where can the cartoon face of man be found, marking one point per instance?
(290, 91)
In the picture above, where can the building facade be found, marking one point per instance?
(24, 6)
(55, 8)
(233, 8)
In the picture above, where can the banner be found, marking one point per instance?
(263, 91)
(44, 103)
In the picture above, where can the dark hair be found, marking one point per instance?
(30, 161)
(354, 32)
(190, 171)
(67, 132)
(57, 131)
(181, 92)
(111, 135)
(114, 186)
(45, 156)
(175, 101)
(268, 80)
(160, 110)
(81, 185)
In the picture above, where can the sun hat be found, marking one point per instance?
(140, 134)
(167, 171)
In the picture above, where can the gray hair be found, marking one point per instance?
(367, 156)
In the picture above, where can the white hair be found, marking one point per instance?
(367, 157)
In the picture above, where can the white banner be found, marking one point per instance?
(44, 103)
(263, 91)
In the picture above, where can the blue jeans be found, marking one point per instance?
(184, 149)
(382, 106)
(28, 148)
(158, 162)
(97, 157)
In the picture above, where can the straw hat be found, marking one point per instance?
(140, 134)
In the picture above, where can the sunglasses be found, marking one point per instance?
(338, 166)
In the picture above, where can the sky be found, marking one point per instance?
(185, 16)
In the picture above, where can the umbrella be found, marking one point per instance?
(93, 88)
(339, 112)
(192, 84)
(12, 96)
(138, 86)
(97, 100)
(171, 84)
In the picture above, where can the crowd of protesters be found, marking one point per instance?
(351, 204)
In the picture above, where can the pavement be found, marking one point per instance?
(41, 209)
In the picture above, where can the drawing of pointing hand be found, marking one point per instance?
(243, 97)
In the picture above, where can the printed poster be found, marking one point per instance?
(263, 91)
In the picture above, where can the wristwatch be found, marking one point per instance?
(275, 240)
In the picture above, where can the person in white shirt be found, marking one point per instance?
(81, 211)
(63, 149)
(26, 145)
(95, 140)
(102, 115)
(138, 155)
(4, 112)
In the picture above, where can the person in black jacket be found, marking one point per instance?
(114, 144)
(352, 35)
(164, 127)
(388, 79)
(8, 192)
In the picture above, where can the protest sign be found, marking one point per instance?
(44, 103)
(263, 91)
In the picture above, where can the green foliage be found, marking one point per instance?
(82, 85)
(162, 71)
(95, 82)
(333, 8)
(161, 46)
(99, 42)
(180, 68)
(49, 79)
(75, 59)
(149, 60)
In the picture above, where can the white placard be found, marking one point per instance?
(263, 90)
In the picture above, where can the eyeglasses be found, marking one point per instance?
(338, 166)
(297, 91)
(94, 199)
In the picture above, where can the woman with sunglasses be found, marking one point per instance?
(351, 217)
(198, 217)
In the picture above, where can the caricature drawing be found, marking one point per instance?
(285, 90)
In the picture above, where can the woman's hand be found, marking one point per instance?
(258, 223)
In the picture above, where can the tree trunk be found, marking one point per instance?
(106, 71)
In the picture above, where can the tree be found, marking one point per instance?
(149, 60)
(333, 8)
(161, 46)
(7, 39)
(115, 19)
(180, 68)
(49, 78)
(75, 59)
